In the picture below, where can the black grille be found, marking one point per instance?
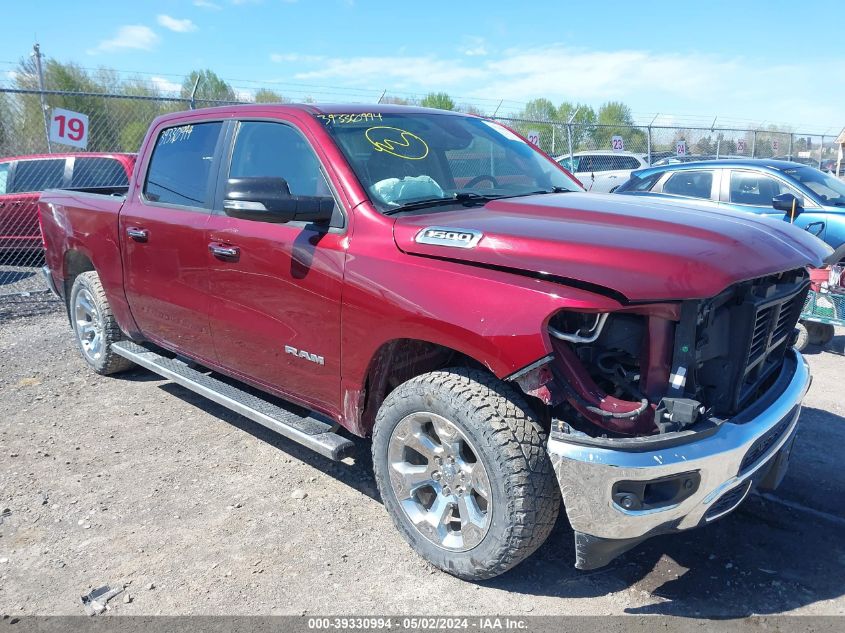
(762, 445)
(776, 308)
(728, 501)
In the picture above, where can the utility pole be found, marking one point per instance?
(37, 54)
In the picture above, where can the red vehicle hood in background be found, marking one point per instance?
(644, 250)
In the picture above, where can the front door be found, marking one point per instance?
(276, 288)
(753, 191)
(163, 234)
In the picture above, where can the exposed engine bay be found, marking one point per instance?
(659, 368)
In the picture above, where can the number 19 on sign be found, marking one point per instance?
(69, 128)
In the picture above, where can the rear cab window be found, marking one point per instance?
(180, 167)
(37, 175)
(98, 171)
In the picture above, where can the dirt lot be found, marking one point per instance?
(134, 480)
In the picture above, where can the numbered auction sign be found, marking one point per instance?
(775, 145)
(740, 146)
(617, 144)
(69, 128)
(534, 138)
(681, 148)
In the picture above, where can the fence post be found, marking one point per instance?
(648, 142)
(37, 54)
(821, 152)
(754, 145)
(569, 135)
(553, 139)
(193, 105)
(791, 137)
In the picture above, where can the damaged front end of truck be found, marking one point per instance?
(665, 416)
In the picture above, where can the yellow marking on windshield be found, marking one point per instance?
(397, 142)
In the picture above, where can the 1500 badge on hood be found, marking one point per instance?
(449, 236)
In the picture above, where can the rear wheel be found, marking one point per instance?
(462, 469)
(94, 325)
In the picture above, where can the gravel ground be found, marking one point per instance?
(136, 481)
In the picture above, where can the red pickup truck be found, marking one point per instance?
(433, 281)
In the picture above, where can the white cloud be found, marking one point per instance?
(407, 71)
(705, 84)
(131, 36)
(281, 58)
(474, 47)
(165, 85)
(174, 24)
(205, 4)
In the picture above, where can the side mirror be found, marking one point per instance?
(788, 203)
(268, 199)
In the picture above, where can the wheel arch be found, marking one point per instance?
(394, 362)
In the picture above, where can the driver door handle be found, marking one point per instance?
(226, 252)
(139, 235)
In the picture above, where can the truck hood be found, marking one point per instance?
(639, 250)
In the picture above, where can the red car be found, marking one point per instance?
(23, 178)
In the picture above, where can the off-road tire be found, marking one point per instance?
(107, 362)
(803, 337)
(511, 444)
(820, 333)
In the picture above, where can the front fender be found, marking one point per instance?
(496, 318)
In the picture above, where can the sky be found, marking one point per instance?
(689, 62)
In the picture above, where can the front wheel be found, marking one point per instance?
(94, 325)
(462, 469)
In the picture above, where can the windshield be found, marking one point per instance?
(405, 158)
(828, 190)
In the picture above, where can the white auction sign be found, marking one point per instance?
(69, 128)
(681, 148)
(740, 146)
(534, 138)
(617, 144)
(775, 145)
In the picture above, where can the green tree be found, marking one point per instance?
(210, 87)
(439, 100)
(540, 117)
(265, 95)
(71, 79)
(705, 145)
(615, 119)
(395, 100)
(583, 125)
(471, 109)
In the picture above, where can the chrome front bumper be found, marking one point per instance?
(587, 474)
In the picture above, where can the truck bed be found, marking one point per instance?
(83, 222)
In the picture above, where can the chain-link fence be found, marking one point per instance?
(56, 139)
(655, 143)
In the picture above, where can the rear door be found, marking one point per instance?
(275, 310)
(702, 184)
(26, 179)
(162, 227)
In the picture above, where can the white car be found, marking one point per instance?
(602, 170)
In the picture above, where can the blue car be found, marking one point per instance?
(804, 195)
